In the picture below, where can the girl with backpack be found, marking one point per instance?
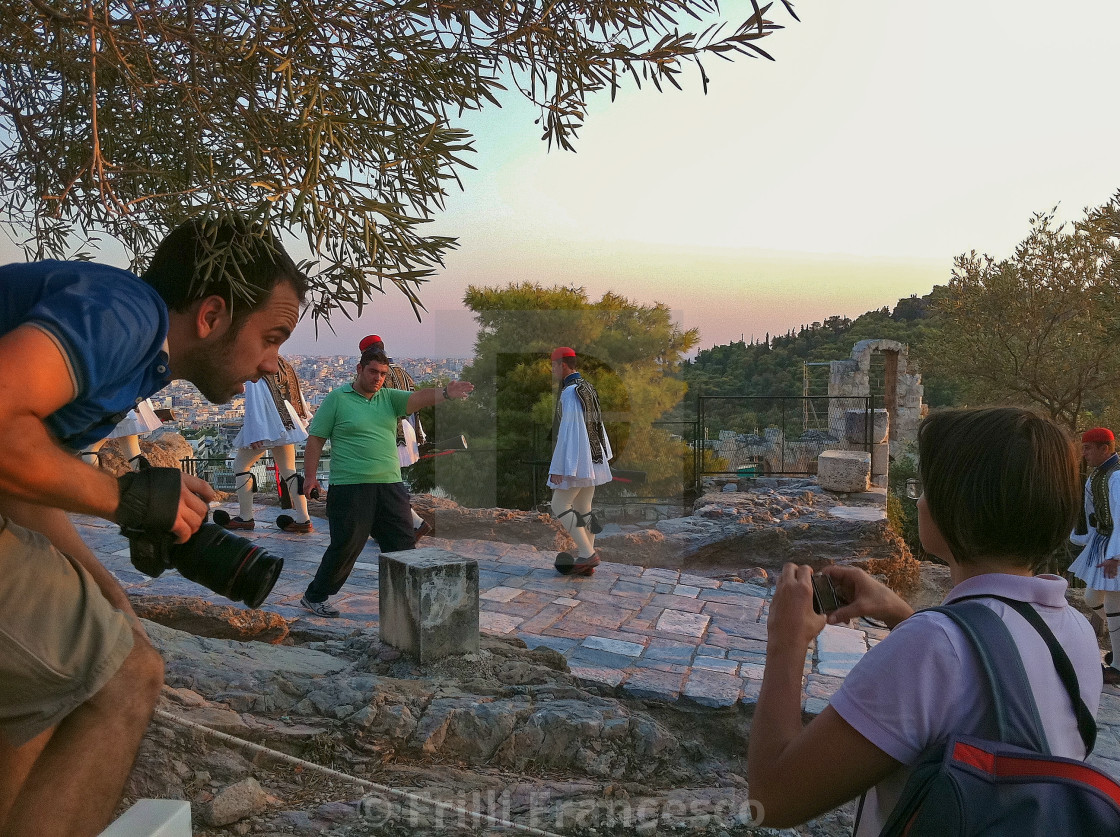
(999, 494)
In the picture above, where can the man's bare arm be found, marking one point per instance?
(312, 452)
(430, 396)
(35, 382)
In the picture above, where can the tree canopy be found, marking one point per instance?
(1041, 326)
(329, 119)
(631, 352)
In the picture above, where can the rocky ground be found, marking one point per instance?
(507, 731)
(271, 727)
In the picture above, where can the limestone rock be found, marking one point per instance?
(201, 618)
(776, 522)
(466, 728)
(240, 800)
(450, 520)
(844, 470)
(162, 448)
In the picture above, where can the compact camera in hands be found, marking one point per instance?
(826, 598)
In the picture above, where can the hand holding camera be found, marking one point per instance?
(151, 516)
(861, 595)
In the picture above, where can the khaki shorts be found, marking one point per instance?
(60, 639)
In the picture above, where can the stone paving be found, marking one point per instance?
(654, 634)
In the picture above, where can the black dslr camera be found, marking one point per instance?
(229, 565)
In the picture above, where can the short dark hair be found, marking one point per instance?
(999, 482)
(199, 257)
(373, 353)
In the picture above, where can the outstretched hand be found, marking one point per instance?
(459, 389)
(864, 596)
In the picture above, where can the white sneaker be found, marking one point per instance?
(320, 608)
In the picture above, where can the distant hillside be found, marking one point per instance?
(775, 365)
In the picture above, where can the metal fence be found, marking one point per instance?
(765, 435)
(218, 471)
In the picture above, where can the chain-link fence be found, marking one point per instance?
(753, 436)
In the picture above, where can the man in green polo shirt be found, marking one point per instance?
(367, 498)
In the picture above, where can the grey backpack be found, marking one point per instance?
(1011, 785)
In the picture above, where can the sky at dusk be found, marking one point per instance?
(885, 139)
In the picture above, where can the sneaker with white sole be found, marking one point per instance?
(319, 608)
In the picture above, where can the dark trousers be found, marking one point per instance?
(355, 512)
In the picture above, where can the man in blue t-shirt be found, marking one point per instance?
(367, 498)
(81, 344)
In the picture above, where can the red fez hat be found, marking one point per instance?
(563, 352)
(1100, 435)
(372, 340)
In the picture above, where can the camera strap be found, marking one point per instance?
(149, 501)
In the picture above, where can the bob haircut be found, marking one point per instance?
(999, 483)
(199, 258)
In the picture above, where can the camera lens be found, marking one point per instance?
(229, 565)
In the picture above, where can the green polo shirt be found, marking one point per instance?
(363, 434)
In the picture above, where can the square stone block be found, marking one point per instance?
(429, 603)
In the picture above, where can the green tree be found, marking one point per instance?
(329, 119)
(1040, 327)
(631, 352)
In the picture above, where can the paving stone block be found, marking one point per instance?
(710, 651)
(712, 689)
(752, 688)
(614, 646)
(720, 595)
(501, 594)
(669, 652)
(689, 604)
(686, 591)
(744, 628)
(679, 622)
(581, 656)
(718, 637)
(839, 649)
(429, 603)
(659, 665)
(650, 684)
(638, 593)
(556, 643)
(497, 623)
(587, 616)
(716, 664)
(822, 686)
(752, 670)
(628, 570)
(545, 618)
(661, 574)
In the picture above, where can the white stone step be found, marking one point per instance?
(153, 818)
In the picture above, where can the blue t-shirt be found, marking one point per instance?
(109, 324)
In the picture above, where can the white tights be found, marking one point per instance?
(578, 499)
(285, 457)
(1106, 604)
